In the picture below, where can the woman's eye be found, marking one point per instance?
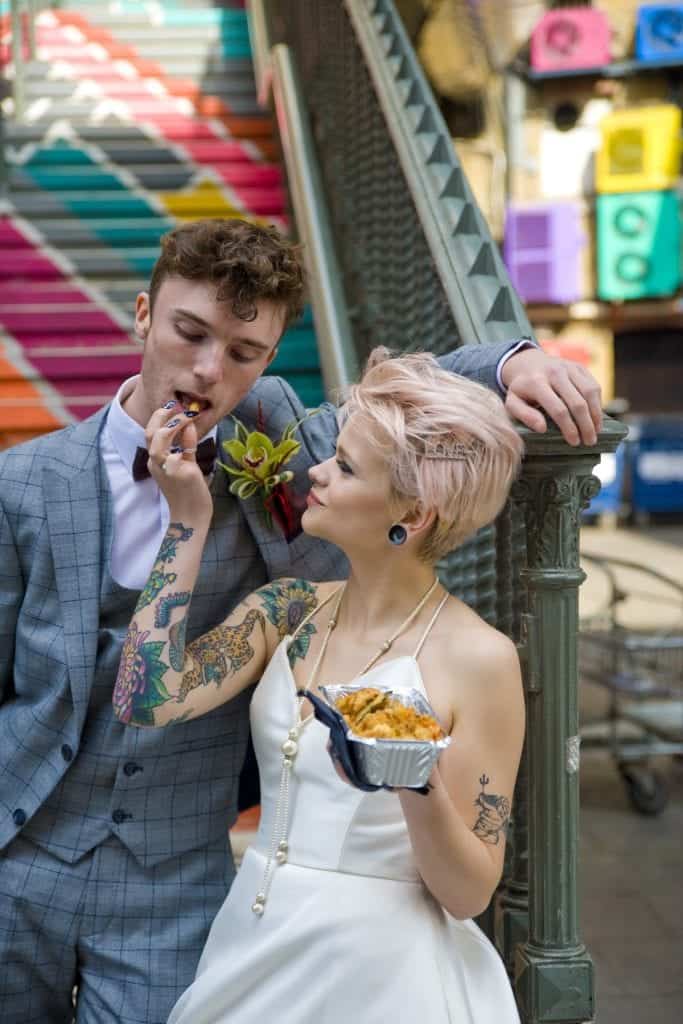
(344, 466)
(240, 358)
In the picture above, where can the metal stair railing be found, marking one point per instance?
(419, 269)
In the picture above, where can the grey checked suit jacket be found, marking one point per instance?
(50, 542)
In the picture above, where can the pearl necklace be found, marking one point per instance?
(279, 846)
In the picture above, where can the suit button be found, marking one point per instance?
(67, 752)
(19, 816)
(119, 816)
(130, 768)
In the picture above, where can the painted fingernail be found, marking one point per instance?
(175, 449)
(190, 413)
(173, 423)
(170, 405)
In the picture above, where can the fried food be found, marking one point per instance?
(194, 407)
(377, 715)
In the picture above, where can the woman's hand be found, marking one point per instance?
(172, 442)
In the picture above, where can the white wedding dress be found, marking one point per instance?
(350, 934)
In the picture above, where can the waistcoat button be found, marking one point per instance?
(19, 816)
(119, 816)
(130, 768)
(67, 752)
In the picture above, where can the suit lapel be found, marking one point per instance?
(74, 525)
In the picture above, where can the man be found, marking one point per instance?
(116, 855)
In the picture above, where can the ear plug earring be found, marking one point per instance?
(397, 534)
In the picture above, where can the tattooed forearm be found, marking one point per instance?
(139, 684)
(158, 579)
(224, 650)
(162, 613)
(176, 644)
(175, 534)
(286, 604)
(494, 813)
(179, 719)
(154, 585)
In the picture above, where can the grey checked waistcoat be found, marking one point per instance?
(111, 778)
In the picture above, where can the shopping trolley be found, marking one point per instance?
(640, 663)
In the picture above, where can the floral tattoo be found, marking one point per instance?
(287, 603)
(494, 812)
(139, 684)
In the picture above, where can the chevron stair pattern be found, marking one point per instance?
(138, 115)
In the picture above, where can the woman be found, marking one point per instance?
(352, 905)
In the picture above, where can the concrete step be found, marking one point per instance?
(75, 233)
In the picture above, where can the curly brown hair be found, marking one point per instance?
(246, 262)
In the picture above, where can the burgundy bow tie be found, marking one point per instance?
(205, 456)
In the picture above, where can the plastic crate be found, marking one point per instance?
(659, 32)
(638, 243)
(656, 456)
(640, 149)
(541, 250)
(611, 472)
(572, 37)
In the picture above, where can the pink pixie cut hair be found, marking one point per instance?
(417, 414)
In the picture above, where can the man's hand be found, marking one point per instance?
(566, 391)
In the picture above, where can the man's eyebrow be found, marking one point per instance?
(252, 342)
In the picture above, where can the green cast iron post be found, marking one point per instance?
(553, 970)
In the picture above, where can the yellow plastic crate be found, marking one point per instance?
(640, 149)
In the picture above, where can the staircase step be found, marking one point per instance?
(54, 320)
(88, 366)
(68, 233)
(50, 344)
(184, 130)
(97, 205)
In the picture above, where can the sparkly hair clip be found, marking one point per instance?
(455, 451)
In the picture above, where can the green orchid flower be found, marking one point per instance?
(258, 460)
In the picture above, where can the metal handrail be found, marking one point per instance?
(276, 76)
(337, 352)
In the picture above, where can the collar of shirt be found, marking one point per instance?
(124, 433)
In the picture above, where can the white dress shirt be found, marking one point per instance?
(140, 511)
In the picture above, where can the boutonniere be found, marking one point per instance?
(258, 469)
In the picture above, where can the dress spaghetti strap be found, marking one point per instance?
(314, 611)
(431, 622)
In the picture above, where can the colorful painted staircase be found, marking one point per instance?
(138, 116)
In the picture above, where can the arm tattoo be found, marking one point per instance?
(162, 614)
(176, 644)
(180, 718)
(139, 684)
(286, 604)
(175, 534)
(154, 585)
(223, 650)
(158, 579)
(494, 812)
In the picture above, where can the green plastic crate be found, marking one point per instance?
(639, 251)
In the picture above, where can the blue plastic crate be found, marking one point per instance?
(657, 464)
(659, 32)
(611, 471)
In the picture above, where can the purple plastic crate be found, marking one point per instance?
(542, 251)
